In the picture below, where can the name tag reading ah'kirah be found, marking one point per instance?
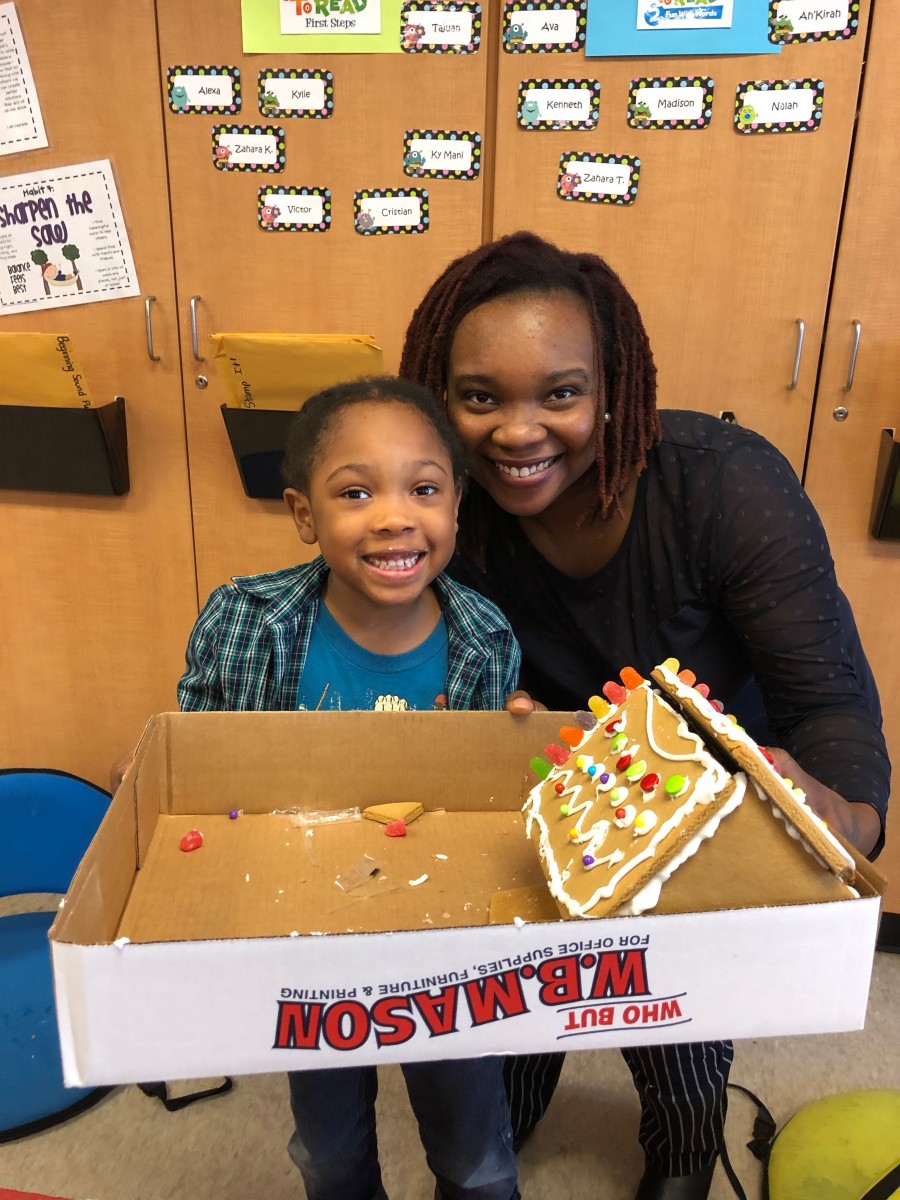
(390, 210)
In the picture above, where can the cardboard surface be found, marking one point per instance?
(176, 965)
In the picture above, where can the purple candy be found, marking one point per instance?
(588, 860)
(585, 720)
(605, 777)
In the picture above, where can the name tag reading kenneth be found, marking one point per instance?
(204, 90)
(779, 105)
(558, 103)
(599, 178)
(390, 210)
(248, 148)
(296, 93)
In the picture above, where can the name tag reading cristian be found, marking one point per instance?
(391, 212)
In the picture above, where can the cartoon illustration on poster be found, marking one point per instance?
(62, 239)
(684, 14)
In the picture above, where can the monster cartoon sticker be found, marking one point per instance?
(641, 113)
(411, 35)
(513, 35)
(568, 184)
(222, 153)
(531, 112)
(364, 220)
(747, 115)
(268, 216)
(414, 163)
(782, 28)
(179, 98)
(268, 106)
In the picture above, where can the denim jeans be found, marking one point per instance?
(463, 1117)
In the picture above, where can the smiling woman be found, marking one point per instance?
(612, 536)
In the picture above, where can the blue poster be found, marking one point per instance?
(612, 31)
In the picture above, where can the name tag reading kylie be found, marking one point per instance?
(296, 93)
(390, 210)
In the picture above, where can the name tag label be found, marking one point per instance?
(200, 90)
(440, 28)
(670, 102)
(248, 147)
(546, 104)
(799, 21)
(294, 209)
(598, 178)
(296, 93)
(390, 210)
(441, 154)
(779, 105)
(546, 27)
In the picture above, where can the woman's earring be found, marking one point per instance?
(607, 417)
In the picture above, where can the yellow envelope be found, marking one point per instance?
(40, 370)
(281, 370)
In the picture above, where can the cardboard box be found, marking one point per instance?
(245, 956)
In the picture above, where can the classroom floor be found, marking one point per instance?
(233, 1147)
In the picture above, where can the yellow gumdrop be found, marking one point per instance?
(673, 665)
(598, 706)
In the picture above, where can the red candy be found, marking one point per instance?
(650, 782)
(559, 788)
(395, 829)
(624, 761)
(192, 840)
(614, 692)
(703, 689)
(557, 754)
(620, 813)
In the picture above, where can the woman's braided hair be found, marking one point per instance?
(524, 262)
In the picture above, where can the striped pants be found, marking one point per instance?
(681, 1089)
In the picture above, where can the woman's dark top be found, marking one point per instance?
(726, 567)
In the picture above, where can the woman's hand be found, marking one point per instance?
(858, 823)
(520, 704)
(120, 768)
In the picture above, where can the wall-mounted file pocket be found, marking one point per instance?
(80, 450)
(258, 437)
(886, 508)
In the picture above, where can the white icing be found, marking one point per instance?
(628, 819)
(647, 821)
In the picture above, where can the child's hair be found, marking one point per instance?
(524, 262)
(318, 414)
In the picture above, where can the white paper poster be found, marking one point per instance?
(21, 124)
(684, 14)
(63, 239)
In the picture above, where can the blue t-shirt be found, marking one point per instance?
(341, 674)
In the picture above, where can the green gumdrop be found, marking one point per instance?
(541, 767)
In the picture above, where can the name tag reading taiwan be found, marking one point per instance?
(390, 210)
(440, 27)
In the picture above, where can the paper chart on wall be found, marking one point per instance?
(63, 239)
(21, 123)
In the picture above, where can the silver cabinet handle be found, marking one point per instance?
(851, 370)
(801, 331)
(195, 344)
(148, 300)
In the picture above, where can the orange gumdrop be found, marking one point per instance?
(687, 677)
(571, 735)
(630, 678)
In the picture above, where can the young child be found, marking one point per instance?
(374, 474)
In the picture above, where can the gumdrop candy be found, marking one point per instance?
(672, 664)
(598, 706)
(614, 692)
(192, 840)
(540, 766)
(631, 678)
(395, 829)
(585, 720)
(687, 677)
(571, 735)
(557, 754)
(703, 689)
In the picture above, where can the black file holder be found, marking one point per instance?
(80, 450)
(886, 508)
(258, 438)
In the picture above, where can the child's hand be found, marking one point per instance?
(858, 823)
(120, 768)
(520, 704)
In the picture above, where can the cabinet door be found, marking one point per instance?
(844, 453)
(99, 594)
(333, 282)
(730, 239)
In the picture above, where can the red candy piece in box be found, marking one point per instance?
(395, 829)
(556, 754)
(192, 840)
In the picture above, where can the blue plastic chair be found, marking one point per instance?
(47, 820)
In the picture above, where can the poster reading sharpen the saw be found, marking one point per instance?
(63, 239)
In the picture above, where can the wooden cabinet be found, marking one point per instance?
(731, 238)
(844, 453)
(98, 594)
(334, 282)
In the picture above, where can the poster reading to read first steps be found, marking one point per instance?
(63, 239)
